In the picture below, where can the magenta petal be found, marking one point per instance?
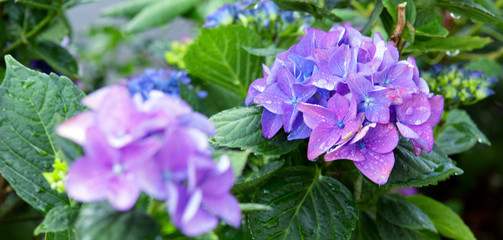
(272, 98)
(414, 110)
(271, 123)
(323, 137)
(437, 107)
(382, 139)
(346, 151)
(377, 167)
(225, 206)
(339, 105)
(314, 114)
(85, 183)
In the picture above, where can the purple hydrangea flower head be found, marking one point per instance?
(355, 93)
(110, 173)
(372, 154)
(338, 122)
(157, 145)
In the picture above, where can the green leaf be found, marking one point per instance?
(56, 30)
(158, 13)
(238, 159)
(58, 219)
(366, 228)
(429, 24)
(392, 8)
(241, 128)
(57, 57)
(417, 171)
(459, 133)
(30, 102)
(126, 9)
(373, 18)
(310, 6)
(305, 205)
(447, 222)
(99, 221)
(250, 207)
(449, 44)
(264, 52)
(63, 235)
(470, 9)
(390, 231)
(217, 56)
(397, 211)
(249, 182)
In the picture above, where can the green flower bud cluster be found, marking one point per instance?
(56, 178)
(177, 51)
(459, 86)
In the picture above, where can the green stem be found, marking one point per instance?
(358, 188)
(33, 32)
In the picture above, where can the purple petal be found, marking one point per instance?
(84, 183)
(400, 75)
(286, 81)
(306, 46)
(437, 107)
(414, 110)
(123, 191)
(381, 139)
(346, 151)
(323, 137)
(339, 105)
(225, 206)
(303, 92)
(377, 113)
(272, 98)
(201, 222)
(256, 87)
(377, 167)
(314, 114)
(406, 131)
(299, 130)
(324, 79)
(425, 140)
(332, 39)
(75, 128)
(359, 86)
(221, 180)
(340, 60)
(271, 123)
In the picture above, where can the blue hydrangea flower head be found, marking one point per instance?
(164, 80)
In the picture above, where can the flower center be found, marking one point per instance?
(167, 175)
(368, 101)
(118, 168)
(340, 124)
(361, 145)
(295, 100)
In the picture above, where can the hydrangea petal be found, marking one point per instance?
(437, 107)
(271, 123)
(323, 137)
(377, 166)
(382, 139)
(347, 151)
(225, 206)
(414, 110)
(272, 98)
(314, 114)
